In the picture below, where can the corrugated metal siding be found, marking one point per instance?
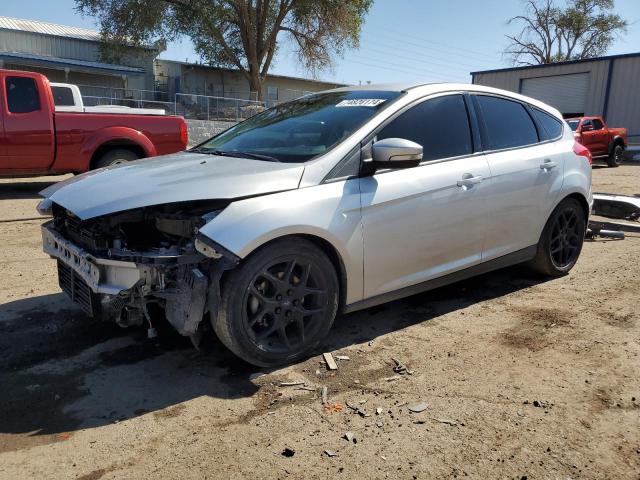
(597, 70)
(624, 97)
(46, 28)
(567, 93)
(12, 41)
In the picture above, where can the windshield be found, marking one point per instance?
(573, 124)
(300, 130)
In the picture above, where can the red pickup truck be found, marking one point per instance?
(605, 143)
(37, 140)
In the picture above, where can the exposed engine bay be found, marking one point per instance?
(119, 267)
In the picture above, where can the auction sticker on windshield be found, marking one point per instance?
(361, 102)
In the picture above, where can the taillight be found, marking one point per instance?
(184, 133)
(582, 151)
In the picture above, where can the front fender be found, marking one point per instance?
(126, 135)
(330, 212)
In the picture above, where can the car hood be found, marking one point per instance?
(172, 178)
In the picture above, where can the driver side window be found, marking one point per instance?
(440, 125)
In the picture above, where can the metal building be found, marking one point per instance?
(71, 54)
(607, 86)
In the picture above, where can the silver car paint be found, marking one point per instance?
(243, 237)
(172, 178)
(424, 211)
(336, 212)
(330, 211)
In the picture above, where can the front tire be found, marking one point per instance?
(616, 157)
(278, 304)
(561, 241)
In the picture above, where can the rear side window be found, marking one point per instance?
(62, 96)
(507, 123)
(440, 125)
(22, 95)
(551, 126)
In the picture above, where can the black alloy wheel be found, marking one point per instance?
(278, 303)
(561, 240)
(285, 303)
(566, 237)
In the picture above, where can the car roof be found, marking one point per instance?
(421, 89)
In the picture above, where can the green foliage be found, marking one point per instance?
(243, 34)
(582, 29)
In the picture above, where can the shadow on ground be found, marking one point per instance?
(62, 371)
(14, 190)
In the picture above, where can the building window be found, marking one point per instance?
(272, 93)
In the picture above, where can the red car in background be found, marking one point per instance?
(35, 139)
(605, 143)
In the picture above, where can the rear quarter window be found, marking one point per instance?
(507, 123)
(551, 127)
(22, 95)
(62, 96)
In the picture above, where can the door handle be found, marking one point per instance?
(548, 165)
(468, 180)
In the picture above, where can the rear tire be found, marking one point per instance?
(278, 304)
(561, 241)
(116, 157)
(616, 157)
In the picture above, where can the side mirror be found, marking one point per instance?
(396, 153)
(586, 128)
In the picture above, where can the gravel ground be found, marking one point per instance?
(523, 377)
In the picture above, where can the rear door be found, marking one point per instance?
(526, 169)
(424, 222)
(28, 124)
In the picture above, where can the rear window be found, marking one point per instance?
(551, 126)
(22, 95)
(62, 96)
(507, 123)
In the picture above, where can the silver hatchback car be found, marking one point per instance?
(334, 202)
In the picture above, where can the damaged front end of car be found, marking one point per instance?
(121, 266)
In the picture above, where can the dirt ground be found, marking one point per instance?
(523, 377)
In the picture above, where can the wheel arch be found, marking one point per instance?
(581, 200)
(116, 144)
(327, 248)
(615, 141)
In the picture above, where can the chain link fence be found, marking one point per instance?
(203, 107)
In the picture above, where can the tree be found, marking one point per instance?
(582, 29)
(242, 34)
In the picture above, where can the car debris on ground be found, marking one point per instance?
(618, 207)
(331, 363)
(401, 368)
(419, 407)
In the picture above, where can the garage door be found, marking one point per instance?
(567, 93)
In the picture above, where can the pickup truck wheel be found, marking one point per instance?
(561, 241)
(116, 157)
(278, 304)
(616, 157)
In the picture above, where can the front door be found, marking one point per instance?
(424, 222)
(595, 137)
(28, 125)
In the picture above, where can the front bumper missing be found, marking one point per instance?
(102, 275)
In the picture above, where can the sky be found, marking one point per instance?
(401, 40)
